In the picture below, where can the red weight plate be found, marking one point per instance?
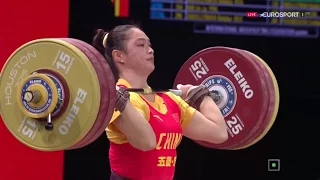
(271, 100)
(276, 106)
(111, 91)
(263, 116)
(103, 87)
(104, 96)
(239, 81)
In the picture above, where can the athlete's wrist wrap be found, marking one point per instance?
(196, 95)
(122, 99)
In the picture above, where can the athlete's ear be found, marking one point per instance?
(118, 56)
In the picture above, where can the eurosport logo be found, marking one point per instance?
(280, 14)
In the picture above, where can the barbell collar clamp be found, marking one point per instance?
(32, 96)
(37, 95)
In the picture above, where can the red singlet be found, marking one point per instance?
(157, 164)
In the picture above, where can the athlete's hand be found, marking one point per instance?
(185, 89)
(193, 95)
(122, 98)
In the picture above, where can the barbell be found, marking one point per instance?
(59, 94)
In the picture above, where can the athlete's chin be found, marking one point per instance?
(151, 68)
(150, 65)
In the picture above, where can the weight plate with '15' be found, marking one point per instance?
(32, 70)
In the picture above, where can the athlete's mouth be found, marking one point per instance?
(150, 59)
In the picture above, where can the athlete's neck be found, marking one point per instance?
(134, 79)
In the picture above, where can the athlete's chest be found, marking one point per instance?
(167, 129)
(166, 126)
(165, 116)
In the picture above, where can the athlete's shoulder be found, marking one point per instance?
(187, 112)
(174, 97)
(135, 97)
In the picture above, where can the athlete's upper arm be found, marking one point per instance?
(113, 133)
(187, 112)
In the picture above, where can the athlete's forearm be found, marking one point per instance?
(139, 132)
(212, 112)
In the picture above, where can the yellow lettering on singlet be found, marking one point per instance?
(168, 144)
(176, 140)
(161, 136)
(166, 161)
(171, 142)
(161, 161)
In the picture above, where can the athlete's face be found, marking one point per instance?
(139, 55)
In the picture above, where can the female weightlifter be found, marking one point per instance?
(145, 130)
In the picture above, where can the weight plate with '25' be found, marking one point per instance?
(241, 85)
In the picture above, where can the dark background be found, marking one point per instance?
(293, 138)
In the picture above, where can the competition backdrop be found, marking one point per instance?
(22, 21)
(174, 42)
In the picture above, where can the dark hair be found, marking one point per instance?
(116, 40)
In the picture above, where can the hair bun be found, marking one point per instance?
(98, 40)
(102, 36)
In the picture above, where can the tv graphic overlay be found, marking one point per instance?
(294, 18)
(273, 164)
